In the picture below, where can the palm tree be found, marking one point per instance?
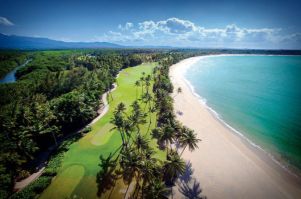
(167, 136)
(156, 190)
(141, 83)
(154, 72)
(147, 82)
(137, 84)
(120, 108)
(188, 138)
(149, 171)
(146, 98)
(157, 134)
(141, 143)
(130, 163)
(118, 122)
(137, 117)
(106, 177)
(151, 110)
(128, 128)
(173, 167)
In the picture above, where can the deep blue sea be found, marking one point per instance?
(259, 96)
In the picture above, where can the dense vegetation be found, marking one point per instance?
(136, 163)
(10, 59)
(55, 95)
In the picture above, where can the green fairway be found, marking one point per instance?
(77, 176)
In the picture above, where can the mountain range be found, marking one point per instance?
(32, 43)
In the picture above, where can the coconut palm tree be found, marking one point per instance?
(157, 132)
(146, 98)
(156, 190)
(137, 84)
(141, 143)
(118, 122)
(106, 177)
(168, 136)
(188, 138)
(120, 108)
(141, 83)
(130, 162)
(173, 166)
(128, 128)
(147, 83)
(137, 117)
(149, 171)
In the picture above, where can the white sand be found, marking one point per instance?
(225, 164)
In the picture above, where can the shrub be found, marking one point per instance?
(33, 189)
(87, 129)
(23, 174)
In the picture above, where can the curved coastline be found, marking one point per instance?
(280, 162)
(260, 157)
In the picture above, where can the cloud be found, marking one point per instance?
(179, 32)
(4, 21)
(127, 26)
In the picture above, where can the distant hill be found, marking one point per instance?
(26, 43)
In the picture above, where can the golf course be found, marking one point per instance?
(77, 175)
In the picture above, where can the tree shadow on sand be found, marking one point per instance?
(189, 186)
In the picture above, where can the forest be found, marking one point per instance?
(55, 95)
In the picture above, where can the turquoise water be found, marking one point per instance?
(257, 95)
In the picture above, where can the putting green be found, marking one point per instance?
(70, 181)
(101, 137)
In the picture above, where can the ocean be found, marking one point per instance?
(258, 96)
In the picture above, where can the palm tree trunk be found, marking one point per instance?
(183, 150)
(122, 138)
(54, 138)
(145, 106)
(166, 148)
(136, 93)
(150, 122)
(127, 189)
(112, 191)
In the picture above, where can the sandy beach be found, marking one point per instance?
(225, 164)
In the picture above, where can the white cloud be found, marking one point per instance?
(4, 21)
(179, 32)
(127, 26)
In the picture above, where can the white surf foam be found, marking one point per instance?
(203, 101)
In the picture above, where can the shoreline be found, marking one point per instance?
(231, 143)
(284, 164)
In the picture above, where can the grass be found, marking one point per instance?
(77, 175)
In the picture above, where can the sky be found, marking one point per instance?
(264, 24)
